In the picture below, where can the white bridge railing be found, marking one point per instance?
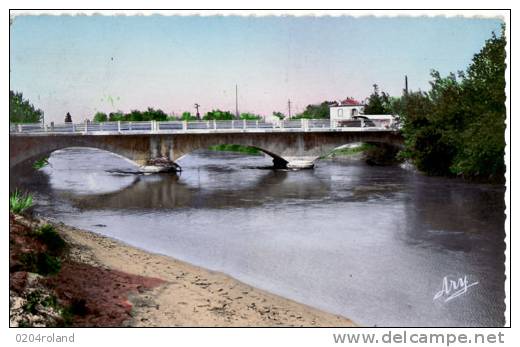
(210, 126)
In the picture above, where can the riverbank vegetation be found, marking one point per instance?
(236, 149)
(34, 255)
(20, 202)
(41, 163)
(457, 128)
(52, 285)
(372, 154)
(350, 150)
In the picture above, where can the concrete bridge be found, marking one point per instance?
(296, 144)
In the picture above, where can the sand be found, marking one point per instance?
(190, 295)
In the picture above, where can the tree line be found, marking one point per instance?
(159, 115)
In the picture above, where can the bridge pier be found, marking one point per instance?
(161, 156)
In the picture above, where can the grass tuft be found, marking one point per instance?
(41, 163)
(19, 202)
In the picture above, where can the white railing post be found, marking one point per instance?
(20, 129)
(44, 127)
(119, 126)
(244, 124)
(214, 124)
(257, 123)
(86, 126)
(207, 125)
(362, 123)
(73, 127)
(130, 126)
(305, 124)
(184, 125)
(232, 124)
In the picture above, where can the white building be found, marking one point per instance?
(349, 109)
(346, 109)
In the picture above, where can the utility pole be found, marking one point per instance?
(197, 108)
(405, 84)
(289, 105)
(236, 100)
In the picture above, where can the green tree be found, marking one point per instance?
(318, 111)
(218, 115)
(100, 117)
(457, 128)
(250, 116)
(187, 116)
(483, 144)
(22, 111)
(116, 116)
(278, 115)
(134, 116)
(153, 114)
(378, 103)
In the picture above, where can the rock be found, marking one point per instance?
(161, 164)
(300, 164)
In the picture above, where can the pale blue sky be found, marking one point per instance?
(82, 64)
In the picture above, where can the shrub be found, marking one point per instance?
(19, 202)
(50, 237)
(33, 299)
(41, 263)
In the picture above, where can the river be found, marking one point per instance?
(373, 244)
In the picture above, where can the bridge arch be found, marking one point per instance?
(277, 160)
(29, 148)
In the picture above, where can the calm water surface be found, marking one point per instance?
(370, 243)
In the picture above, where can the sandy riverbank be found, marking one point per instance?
(190, 295)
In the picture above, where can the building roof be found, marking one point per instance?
(351, 102)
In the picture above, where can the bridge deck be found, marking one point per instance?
(179, 127)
